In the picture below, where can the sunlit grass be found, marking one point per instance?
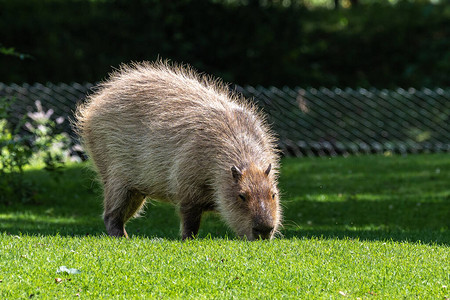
(217, 268)
(357, 227)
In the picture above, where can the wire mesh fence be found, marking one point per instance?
(309, 122)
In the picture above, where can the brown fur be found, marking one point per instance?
(163, 132)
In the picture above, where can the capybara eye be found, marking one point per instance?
(274, 195)
(242, 197)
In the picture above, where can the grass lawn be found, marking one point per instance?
(358, 227)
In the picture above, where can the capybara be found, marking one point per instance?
(161, 131)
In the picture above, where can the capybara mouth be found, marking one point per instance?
(256, 235)
(266, 236)
(262, 231)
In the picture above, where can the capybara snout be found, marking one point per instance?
(163, 132)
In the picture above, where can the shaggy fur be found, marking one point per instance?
(164, 132)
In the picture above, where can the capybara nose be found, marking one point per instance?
(262, 231)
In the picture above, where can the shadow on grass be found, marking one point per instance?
(393, 218)
(368, 208)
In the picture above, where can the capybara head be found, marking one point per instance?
(253, 202)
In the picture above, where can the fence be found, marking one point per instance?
(309, 122)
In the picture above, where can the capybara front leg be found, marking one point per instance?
(190, 222)
(114, 225)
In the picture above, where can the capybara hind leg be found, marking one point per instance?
(190, 221)
(120, 205)
(135, 202)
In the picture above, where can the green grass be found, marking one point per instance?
(359, 227)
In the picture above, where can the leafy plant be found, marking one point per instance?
(12, 52)
(15, 154)
(50, 147)
(41, 144)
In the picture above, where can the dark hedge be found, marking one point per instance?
(370, 45)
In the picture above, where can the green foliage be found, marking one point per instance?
(245, 42)
(50, 147)
(19, 149)
(15, 154)
(12, 52)
(356, 227)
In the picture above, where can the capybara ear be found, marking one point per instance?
(237, 174)
(268, 169)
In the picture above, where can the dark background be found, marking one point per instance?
(279, 43)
